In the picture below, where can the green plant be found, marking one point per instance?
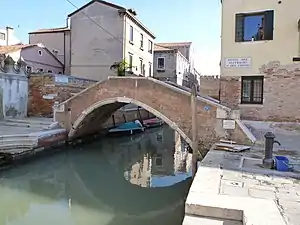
(120, 67)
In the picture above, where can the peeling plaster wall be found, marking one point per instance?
(13, 95)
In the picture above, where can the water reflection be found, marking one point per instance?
(166, 162)
(141, 179)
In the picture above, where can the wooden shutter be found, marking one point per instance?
(269, 24)
(239, 27)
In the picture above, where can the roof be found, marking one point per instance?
(13, 48)
(92, 2)
(159, 48)
(175, 44)
(122, 10)
(51, 30)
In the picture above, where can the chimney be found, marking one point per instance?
(9, 34)
(68, 22)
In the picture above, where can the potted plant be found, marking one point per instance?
(120, 67)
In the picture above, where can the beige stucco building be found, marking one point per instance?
(103, 33)
(58, 41)
(175, 62)
(260, 53)
(171, 65)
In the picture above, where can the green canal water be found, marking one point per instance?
(138, 180)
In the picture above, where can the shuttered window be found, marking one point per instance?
(254, 26)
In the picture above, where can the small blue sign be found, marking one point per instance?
(206, 108)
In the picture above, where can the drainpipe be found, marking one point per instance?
(299, 37)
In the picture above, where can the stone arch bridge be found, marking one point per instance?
(84, 113)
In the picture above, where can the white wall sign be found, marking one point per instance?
(237, 62)
(229, 124)
(61, 79)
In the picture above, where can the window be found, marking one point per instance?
(40, 70)
(150, 69)
(158, 160)
(141, 66)
(130, 61)
(254, 26)
(252, 90)
(142, 41)
(59, 72)
(150, 46)
(40, 52)
(49, 71)
(131, 34)
(144, 70)
(2, 36)
(161, 63)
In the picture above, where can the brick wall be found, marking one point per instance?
(210, 85)
(45, 89)
(281, 94)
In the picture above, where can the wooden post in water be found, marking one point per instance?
(194, 129)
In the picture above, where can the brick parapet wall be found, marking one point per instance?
(46, 89)
(210, 85)
(281, 94)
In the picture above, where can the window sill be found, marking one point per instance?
(251, 105)
(296, 59)
(253, 42)
(131, 42)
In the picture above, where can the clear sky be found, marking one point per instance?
(170, 20)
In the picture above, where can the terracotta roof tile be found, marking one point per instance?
(175, 44)
(12, 48)
(161, 48)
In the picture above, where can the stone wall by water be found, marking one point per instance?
(13, 94)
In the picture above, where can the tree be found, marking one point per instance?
(120, 67)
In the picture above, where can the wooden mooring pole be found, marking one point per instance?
(194, 130)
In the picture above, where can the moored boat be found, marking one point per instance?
(153, 122)
(127, 128)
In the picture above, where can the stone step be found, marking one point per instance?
(31, 121)
(16, 124)
(4, 147)
(193, 220)
(32, 142)
(18, 137)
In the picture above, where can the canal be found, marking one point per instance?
(138, 180)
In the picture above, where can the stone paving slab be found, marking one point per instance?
(221, 189)
(192, 220)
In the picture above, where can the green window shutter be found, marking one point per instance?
(239, 27)
(269, 25)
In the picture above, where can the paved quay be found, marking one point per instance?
(233, 189)
(21, 138)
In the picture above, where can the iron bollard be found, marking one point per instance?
(268, 161)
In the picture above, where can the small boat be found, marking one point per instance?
(127, 128)
(154, 122)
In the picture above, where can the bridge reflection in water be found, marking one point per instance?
(142, 179)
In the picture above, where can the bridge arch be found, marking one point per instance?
(93, 106)
(119, 102)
